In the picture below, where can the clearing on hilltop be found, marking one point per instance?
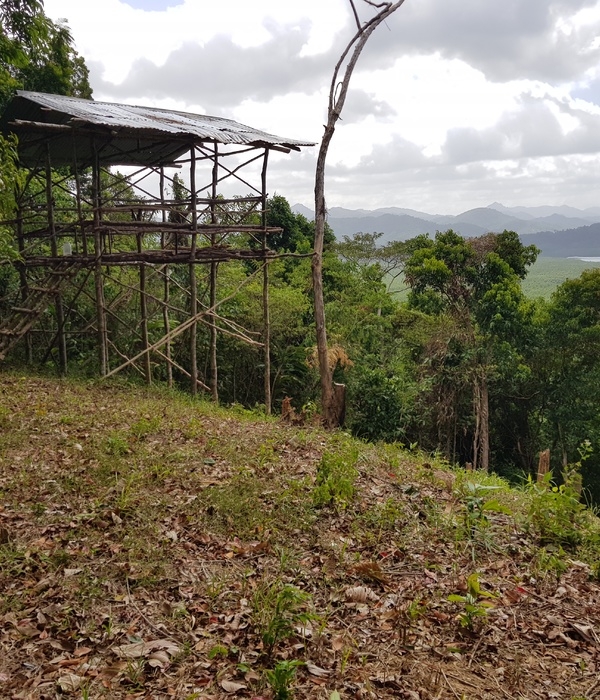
(152, 546)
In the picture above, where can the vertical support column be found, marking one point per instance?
(23, 280)
(144, 315)
(60, 314)
(79, 198)
(192, 270)
(265, 300)
(214, 371)
(99, 282)
(166, 289)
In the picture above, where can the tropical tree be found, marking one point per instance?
(37, 53)
(568, 368)
(338, 91)
(473, 286)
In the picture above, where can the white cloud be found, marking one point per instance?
(454, 103)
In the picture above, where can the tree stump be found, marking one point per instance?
(543, 465)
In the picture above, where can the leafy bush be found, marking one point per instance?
(381, 405)
(556, 513)
(336, 475)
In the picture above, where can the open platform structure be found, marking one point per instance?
(111, 186)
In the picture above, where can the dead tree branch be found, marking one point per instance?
(337, 98)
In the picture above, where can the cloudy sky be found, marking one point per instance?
(455, 104)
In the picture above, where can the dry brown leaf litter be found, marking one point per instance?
(137, 532)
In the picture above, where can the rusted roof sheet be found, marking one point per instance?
(148, 125)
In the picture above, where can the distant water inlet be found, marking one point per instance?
(576, 257)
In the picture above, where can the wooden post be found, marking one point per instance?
(23, 282)
(60, 315)
(192, 271)
(79, 197)
(214, 378)
(477, 412)
(166, 289)
(339, 403)
(99, 282)
(144, 315)
(543, 465)
(265, 300)
(485, 422)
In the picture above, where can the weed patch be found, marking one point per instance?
(336, 476)
(278, 610)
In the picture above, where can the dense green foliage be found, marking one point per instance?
(465, 365)
(37, 53)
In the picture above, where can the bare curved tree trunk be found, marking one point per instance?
(337, 97)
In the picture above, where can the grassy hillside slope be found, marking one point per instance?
(152, 547)
(546, 274)
(543, 277)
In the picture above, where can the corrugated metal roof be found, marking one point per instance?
(169, 121)
(149, 126)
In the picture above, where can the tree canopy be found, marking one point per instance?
(37, 53)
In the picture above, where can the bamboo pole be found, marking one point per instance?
(166, 286)
(70, 310)
(79, 198)
(238, 330)
(98, 280)
(187, 324)
(172, 362)
(60, 315)
(265, 299)
(23, 282)
(192, 273)
(144, 316)
(214, 378)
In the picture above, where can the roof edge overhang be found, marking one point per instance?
(138, 135)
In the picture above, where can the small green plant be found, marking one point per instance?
(477, 526)
(38, 508)
(556, 512)
(266, 455)
(550, 560)
(214, 587)
(4, 417)
(336, 475)
(116, 445)
(416, 609)
(278, 610)
(281, 677)
(473, 608)
(218, 651)
(134, 674)
(346, 655)
(385, 516)
(126, 492)
(144, 426)
(478, 505)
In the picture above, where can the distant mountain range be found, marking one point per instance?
(558, 231)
